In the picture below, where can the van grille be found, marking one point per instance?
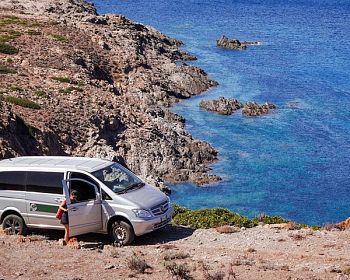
(160, 208)
(162, 224)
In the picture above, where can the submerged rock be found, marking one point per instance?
(234, 44)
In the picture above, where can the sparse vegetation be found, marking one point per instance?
(7, 49)
(8, 34)
(219, 217)
(33, 32)
(41, 93)
(137, 264)
(227, 229)
(15, 88)
(61, 79)
(23, 102)
(180, 271)
(69, 90)
(12, 20)
(270, 219)
(58, 37)
(209, 218)
(176, 256)
(6, 70)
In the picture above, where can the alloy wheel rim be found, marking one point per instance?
(120, 233)
(13, 226)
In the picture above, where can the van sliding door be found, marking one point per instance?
(44, 193)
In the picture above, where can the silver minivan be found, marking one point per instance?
(111, 199)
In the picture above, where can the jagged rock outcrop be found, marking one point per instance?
(222, 106)
(100, 84)
(228, 106)
(234, 44)
(253, 109)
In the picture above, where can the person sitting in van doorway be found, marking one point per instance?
(65, 219)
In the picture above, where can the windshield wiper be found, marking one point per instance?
(131, 187)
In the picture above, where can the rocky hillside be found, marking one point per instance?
(77, 83)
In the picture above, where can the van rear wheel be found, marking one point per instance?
(122, 233)
(13, 224)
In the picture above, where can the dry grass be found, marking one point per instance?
(179, 271)
(137, 264)
(227, 229)
(176, 256)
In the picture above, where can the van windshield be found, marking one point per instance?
(118, 178)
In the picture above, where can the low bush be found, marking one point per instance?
(178, 270)
(58, 37)
(209, 218)
(137, 264)
(71, 89)
(7, 49)
(41, 93)
(6, 70)
(176, 256)
(8, 34)
(220, 217)
(61, 79)
(23, 102)
(33, 32)
(12, 20)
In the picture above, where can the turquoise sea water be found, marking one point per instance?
(294, 162)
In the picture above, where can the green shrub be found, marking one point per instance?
(41, 93)
(209, 218)
(217, 217)
(7, 49)
(33, 32)
(62, 79)
(5, 70)
(23, 102)
(12, 20)
(7, 35)
(270, 219)
(69, 90)
(15, 88)
(58, 37)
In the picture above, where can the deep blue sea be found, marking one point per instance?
(294, 162)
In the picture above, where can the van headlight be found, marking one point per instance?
(141, 213)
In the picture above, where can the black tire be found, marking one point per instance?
(14, 225)
(122, 233)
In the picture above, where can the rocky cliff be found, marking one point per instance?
(77, 83)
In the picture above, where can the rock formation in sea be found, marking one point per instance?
(253, 109)
(234, 44)
(228, 106)
(222, 106)
(77, 83)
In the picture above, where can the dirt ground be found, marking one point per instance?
(264, 252)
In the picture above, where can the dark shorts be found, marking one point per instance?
(64, 219)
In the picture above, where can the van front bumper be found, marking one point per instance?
(145, 226)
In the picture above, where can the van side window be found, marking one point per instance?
(85, 191)
(45, 182)
(12, 180)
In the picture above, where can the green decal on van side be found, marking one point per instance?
(43, 208)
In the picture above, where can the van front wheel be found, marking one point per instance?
(122, 233)
(13, 224)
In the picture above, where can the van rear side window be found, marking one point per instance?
(45, 182)
(12, 180)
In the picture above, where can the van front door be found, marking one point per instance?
(85, 214)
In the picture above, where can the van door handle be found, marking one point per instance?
(73, 209)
